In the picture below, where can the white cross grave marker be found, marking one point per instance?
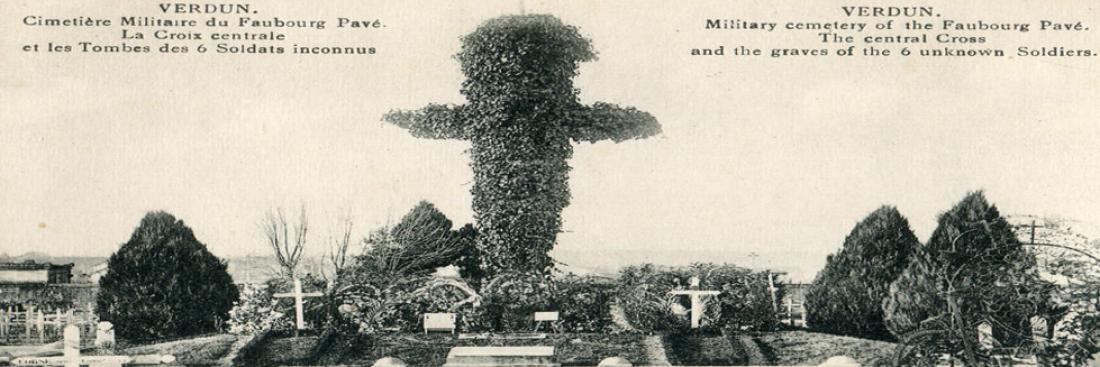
(299, 317)
(697, 303)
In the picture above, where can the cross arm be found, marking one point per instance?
(434, 121)
(603, 121)
(292, 295)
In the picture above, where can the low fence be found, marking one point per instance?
(40, 326)
(793, 312)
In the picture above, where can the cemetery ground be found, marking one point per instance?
(687, 348)
(201, 350)
(282, 348)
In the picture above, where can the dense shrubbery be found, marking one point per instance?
(846, 296)
(258, 309)
(745, 303)
(510, 300)
(973, 271)
(390, 285)
(642, 293)
(1067, 259)
(506, 303)
(163, 283)
(434, 295)
(255, 312)
(584, 303)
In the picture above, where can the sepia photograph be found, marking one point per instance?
(526, 183)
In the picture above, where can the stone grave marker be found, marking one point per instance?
(550, 317)
(532, 356)
(1038, 328)
(985, 335)
(105, 335)
(439, 322)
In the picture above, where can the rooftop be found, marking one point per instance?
(31, 265)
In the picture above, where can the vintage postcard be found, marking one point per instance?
(550, 183)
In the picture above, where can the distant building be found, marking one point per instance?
(30, 272)
(96, 272)
(42, 285)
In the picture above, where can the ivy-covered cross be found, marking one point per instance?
(522, 114)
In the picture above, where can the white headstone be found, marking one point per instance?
(615, 362)
(840, 361)
(1038, 328)
(105, 335)
(546, 316)
(985, 335)
(389, 362)
(71, 346)
(439, 322)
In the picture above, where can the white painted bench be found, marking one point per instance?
(439, 322)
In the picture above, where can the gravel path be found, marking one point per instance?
(231, 354)
(752, 350)
(655, 351)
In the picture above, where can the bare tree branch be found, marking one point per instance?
(287, 250)
(337, 256)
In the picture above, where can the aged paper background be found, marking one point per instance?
(763, 161)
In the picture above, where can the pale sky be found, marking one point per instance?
(772, 157)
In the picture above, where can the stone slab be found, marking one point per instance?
(546, 316)
(499, 336)
(530, 356)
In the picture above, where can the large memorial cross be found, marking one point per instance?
(521, 117)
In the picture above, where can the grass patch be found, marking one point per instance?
(287, 351)
(195, 351)
(808, 348)
(698, 349)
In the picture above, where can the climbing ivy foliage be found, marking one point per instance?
(522, 115)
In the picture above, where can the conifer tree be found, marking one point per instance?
(972, 271)
(163, 283)
(846, 296)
